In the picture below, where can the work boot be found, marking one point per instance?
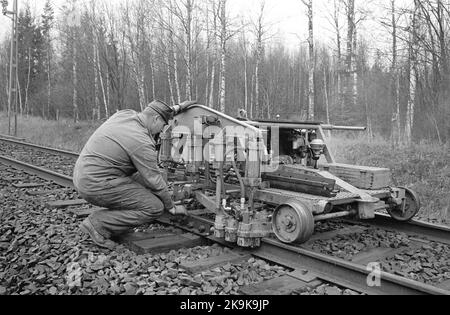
(87, 228)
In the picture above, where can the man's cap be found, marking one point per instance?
(164, 110)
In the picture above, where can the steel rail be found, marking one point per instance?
(12, 138)
(59, 179)
(330, 269)
(347, 274)
(38, 147)
(433, 232)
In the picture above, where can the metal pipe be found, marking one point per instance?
(241, 182)
(222, 180)
(233, 191)
(218, 192)
(334, 215)
(343, 128)
(300, 125)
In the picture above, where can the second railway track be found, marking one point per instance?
(316, 265)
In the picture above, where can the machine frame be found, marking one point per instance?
(278, 183)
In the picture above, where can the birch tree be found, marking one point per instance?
(245, 59)
(47, 26)
(259, 32)
(98, 35)
(215, 49)
(189, 5)
(73, 22)
(396, 125)
(352, 78)
(115, 57)
(334, 19)
(134, 19)
(312, 63)
(413, 72)
(223, 54)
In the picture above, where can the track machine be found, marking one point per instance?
(258, 179)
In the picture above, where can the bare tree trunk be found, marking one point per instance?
(395, 80)
(355, 67)
(443, 37)
(105, 101)
(397, 125)
(368, 117)
(207, 79)
(223, 43)
(311, 64)
(351, 67)
(207, 56)
(28, 84)
(327, 104)
(20, 94)
(214, 57)
(169, 80)
(337, 27)
(188, 48)
(174, 57)
(197, 74)
(138, 77)
(96, 99)
(175, 73)
(267, 105)
(169, 72)
(75, 83)
(49, 84)
(152, 69)
(252, 111)
(6, 109)
(107, 93)
(135, 37)
(141, 86)
(213, 78)
(413, 73)
(245, 71)
(257, 96)
(259, 32)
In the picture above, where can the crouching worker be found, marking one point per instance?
(118, 170)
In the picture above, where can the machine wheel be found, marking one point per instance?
(293, 222)
(408, 210)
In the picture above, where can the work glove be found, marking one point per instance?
(183, 106)
(178, 210)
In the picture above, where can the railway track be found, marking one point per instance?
(307, 264)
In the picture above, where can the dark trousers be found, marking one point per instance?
(129, 204)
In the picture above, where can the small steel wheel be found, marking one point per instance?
(408, 209)
(293, 222)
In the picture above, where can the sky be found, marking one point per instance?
(287, 18)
